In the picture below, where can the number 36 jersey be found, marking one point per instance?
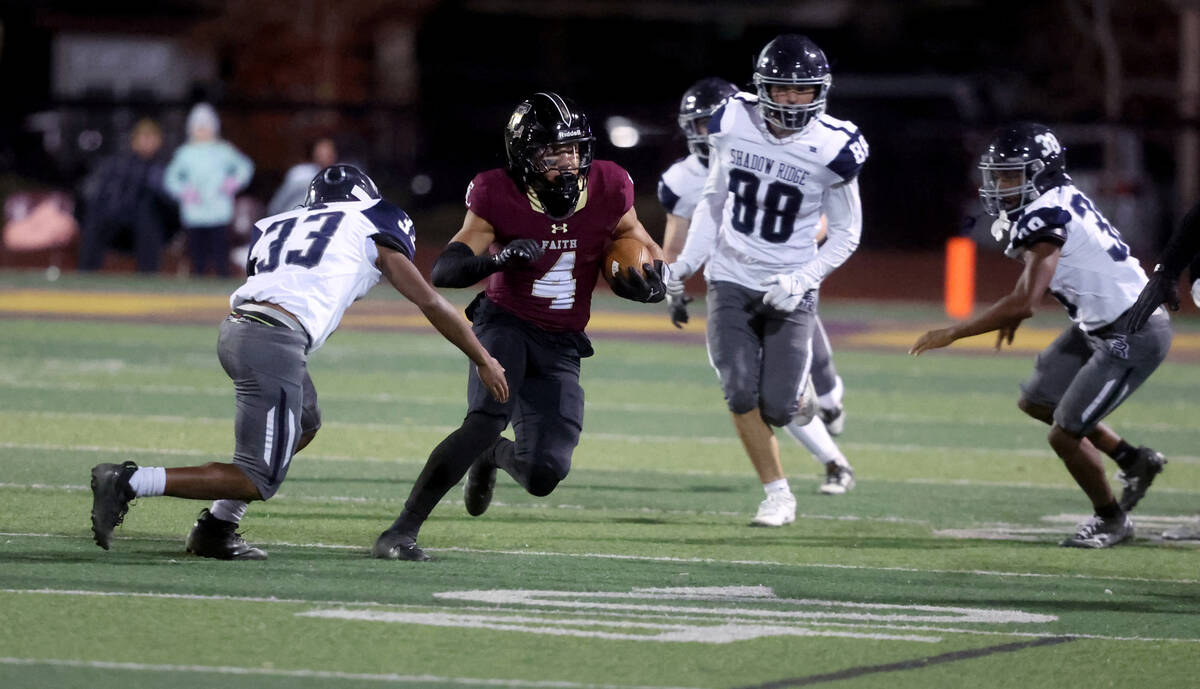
(317, 261)
(1096, 279)
(774, 189)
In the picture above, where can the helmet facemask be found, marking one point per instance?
(997, 199)
(557, 174)
(697, 140)
(787, 116)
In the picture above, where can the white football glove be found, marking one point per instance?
(1196, 292)
(785, 291)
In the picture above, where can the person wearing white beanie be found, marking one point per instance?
(205, 175)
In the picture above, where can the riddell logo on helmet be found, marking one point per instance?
(570, 132)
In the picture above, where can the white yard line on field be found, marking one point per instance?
(320, 674)
(682, 560)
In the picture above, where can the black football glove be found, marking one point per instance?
(646, 287)
(677, 309)
(1159, 290)
(518, 252)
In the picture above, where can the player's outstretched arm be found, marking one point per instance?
(407, 280)
(1005, 315)
(1182, 248)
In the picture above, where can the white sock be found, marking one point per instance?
(816, 439)
(148, 481)
(228, 510)
(833, 398)
(777, 486)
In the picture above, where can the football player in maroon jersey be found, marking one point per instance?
(551, 211)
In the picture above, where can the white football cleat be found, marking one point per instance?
(838, 479)
(776, 510)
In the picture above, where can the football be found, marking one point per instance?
(622, 254)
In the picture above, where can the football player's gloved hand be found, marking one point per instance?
(646, 287)
(1160, 289)
(677, 301)
(518, 252)
(785, 291)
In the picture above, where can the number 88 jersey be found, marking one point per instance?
(317, 261)
(774, 189)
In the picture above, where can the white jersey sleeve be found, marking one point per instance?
(315, 262)
(680, 186)
(1096, 279)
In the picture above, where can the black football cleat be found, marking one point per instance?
(1137, 479)
(481, 482)
(397, 545)
(111, 494)
(219, 539)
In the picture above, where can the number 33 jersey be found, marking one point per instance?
(317, 261)
(1096, 279)
(774, 189)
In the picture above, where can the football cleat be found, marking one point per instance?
(111, 494)
(1184, 532)
(838, 479)
(1097, 532)
(219, 539)
(481, 482)
(397, 545)
(1137, 479)
(776, 510)
(834, 419)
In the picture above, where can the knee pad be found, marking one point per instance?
(778, 417)
(543, 480)
(741, 401)
(310, 421)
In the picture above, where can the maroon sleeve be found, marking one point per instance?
(477, 197)
(624, 183)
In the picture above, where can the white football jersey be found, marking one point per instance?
(680, 186)
(1097, 279)
(774, 192)
(315, 262)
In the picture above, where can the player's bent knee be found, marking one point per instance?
(741, 401)
(543, 480)
(778, 416)
(1041, 412)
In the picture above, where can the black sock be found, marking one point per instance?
(1109, 511)
(1125, 455)
(446, 466)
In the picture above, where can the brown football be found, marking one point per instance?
(624, 253)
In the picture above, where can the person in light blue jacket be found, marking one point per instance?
(204, 175)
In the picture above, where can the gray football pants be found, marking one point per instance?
(761, 355)
(276, 400)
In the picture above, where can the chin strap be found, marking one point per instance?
(1000, 227)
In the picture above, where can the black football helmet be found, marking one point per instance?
(791, 60)
(340, 183)
(1030, 149)
(537, 126)
(699, 102)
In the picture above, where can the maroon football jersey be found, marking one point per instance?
(555, 292)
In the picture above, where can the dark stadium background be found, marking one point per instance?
(423, 88)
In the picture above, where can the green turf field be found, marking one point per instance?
(940, 569)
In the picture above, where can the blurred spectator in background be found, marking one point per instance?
(204, 175)
(124, 192)
(322, 153)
